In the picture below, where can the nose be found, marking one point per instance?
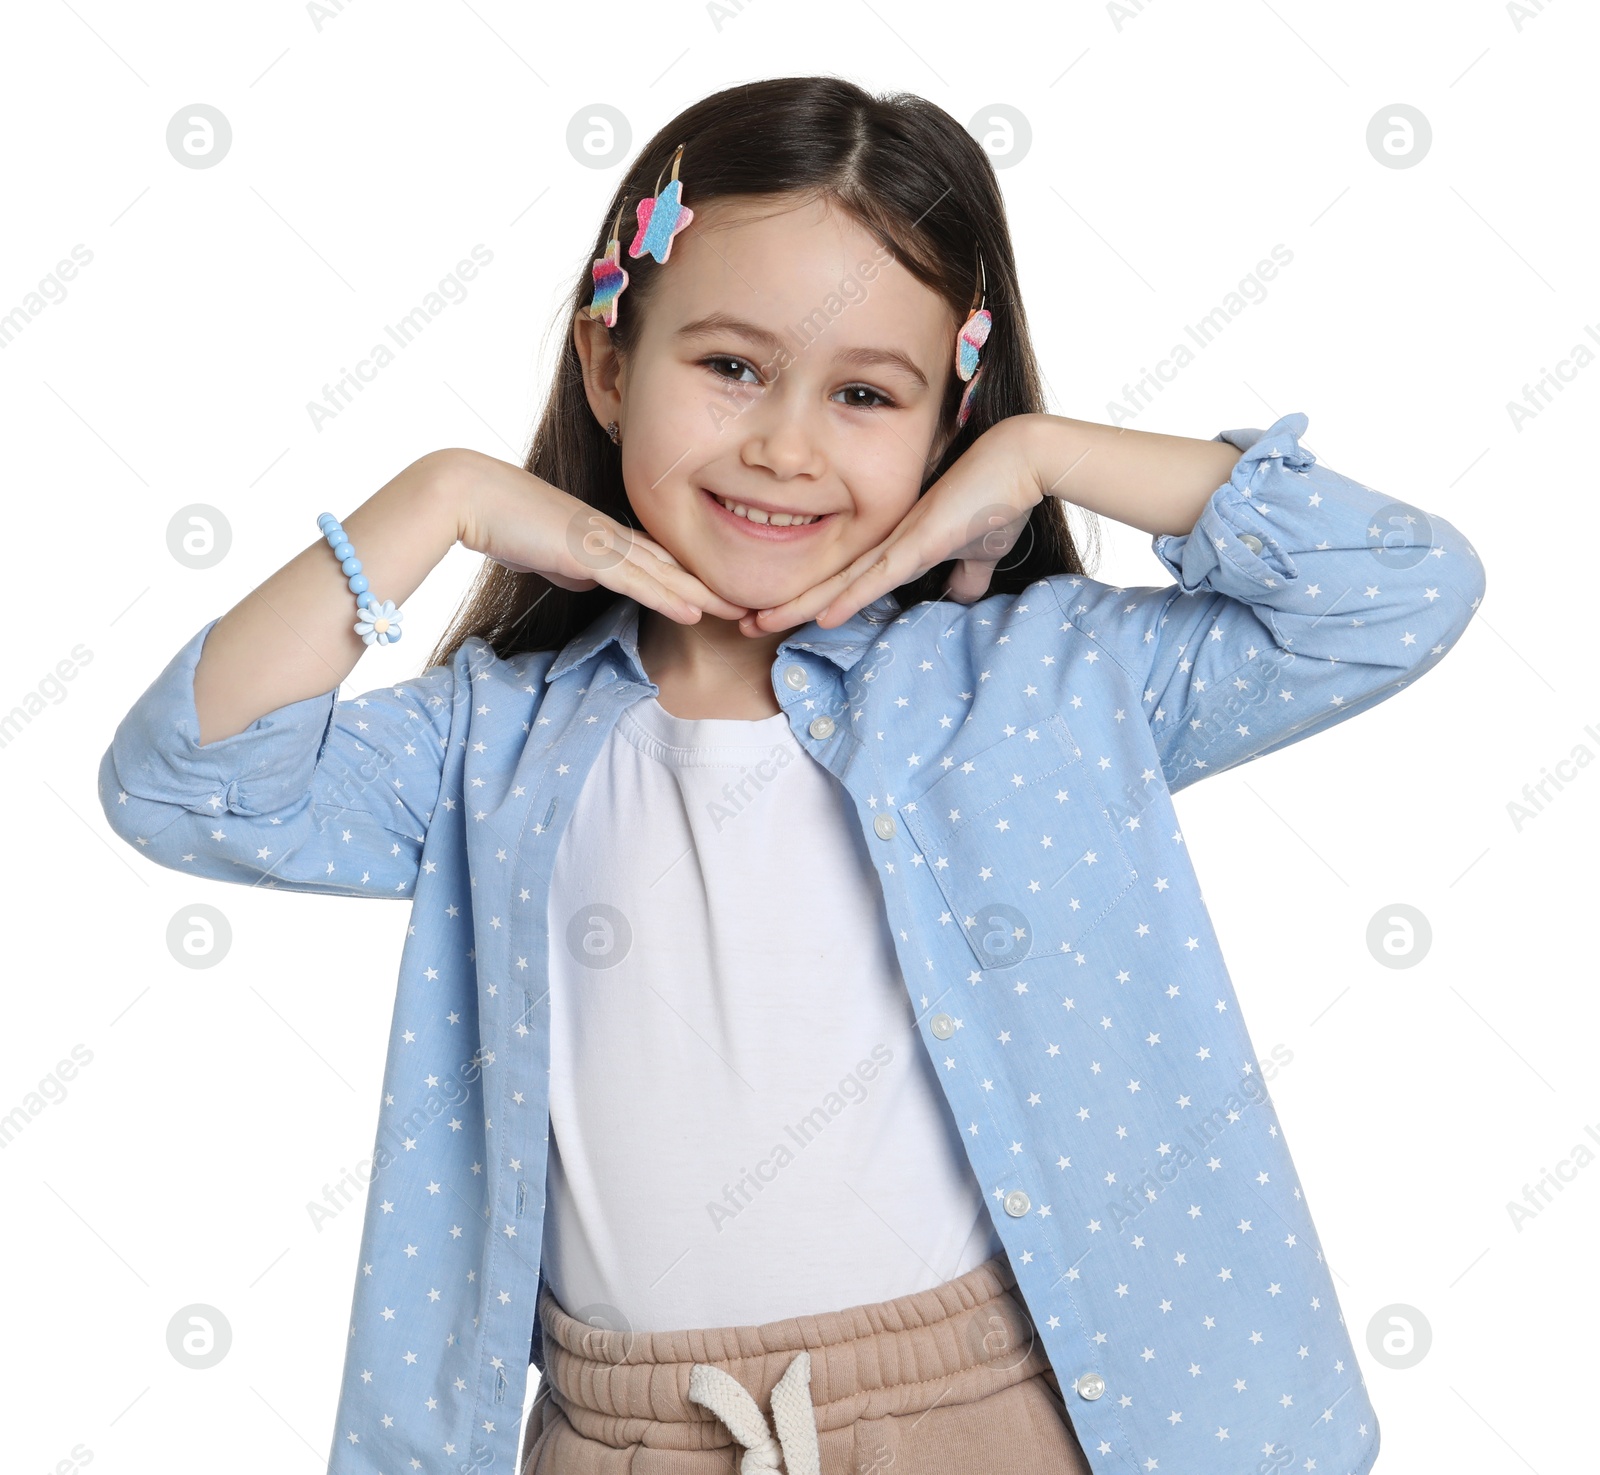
(781, 435)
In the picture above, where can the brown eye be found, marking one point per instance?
(875, 398)
(716, 362)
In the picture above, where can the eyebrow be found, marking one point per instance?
(720, 322)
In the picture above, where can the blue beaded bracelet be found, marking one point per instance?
(380, 620)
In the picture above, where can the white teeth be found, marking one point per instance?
(776, 519)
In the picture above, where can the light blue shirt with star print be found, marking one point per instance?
(1012, 765)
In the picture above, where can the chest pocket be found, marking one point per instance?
(1021, 846)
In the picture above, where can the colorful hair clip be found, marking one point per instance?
(965, 408)
(661, 216)
(610, 277)
(970, 339)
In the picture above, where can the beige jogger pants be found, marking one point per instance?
(946, 1381)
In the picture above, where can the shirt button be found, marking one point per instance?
(794, 677)
(821, 727)
(1251, 542)
(884, 826)
(1091, 1386)
(943, 1026)
(1018, 1203)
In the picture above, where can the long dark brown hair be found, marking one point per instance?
(916, 180)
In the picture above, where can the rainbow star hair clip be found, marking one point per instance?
(662, 216)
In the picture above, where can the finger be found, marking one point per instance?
(612, 545)
(766, 624)
(807, 604)
(923, 540)
(565, 581)
(636, 539)
(603, 541)
(638, 584)
(895, 562)
(663, 567)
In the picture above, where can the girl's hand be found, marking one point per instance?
(975, 513)
(528, 526)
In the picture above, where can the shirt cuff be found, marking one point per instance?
(1232, 549)
(155, 754)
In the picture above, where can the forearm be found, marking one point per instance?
(294, 636)
(1159, 483)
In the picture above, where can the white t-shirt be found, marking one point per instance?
(745, 1125)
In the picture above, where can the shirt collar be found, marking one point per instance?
(618, 624)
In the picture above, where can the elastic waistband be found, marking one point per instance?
(953, 1343)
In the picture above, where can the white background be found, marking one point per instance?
(1170, 152)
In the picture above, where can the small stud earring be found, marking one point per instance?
(615, 432)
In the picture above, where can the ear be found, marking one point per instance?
(602, 368)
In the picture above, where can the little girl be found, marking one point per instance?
(810, 1035)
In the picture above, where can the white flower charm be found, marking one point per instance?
(380, 622)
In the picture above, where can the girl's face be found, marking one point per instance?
(787, 366)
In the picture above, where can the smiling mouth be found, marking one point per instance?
(762, 518)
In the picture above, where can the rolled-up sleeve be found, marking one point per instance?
(319, 795)
(1302, 598)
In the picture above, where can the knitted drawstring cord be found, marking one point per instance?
(796, 1444)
